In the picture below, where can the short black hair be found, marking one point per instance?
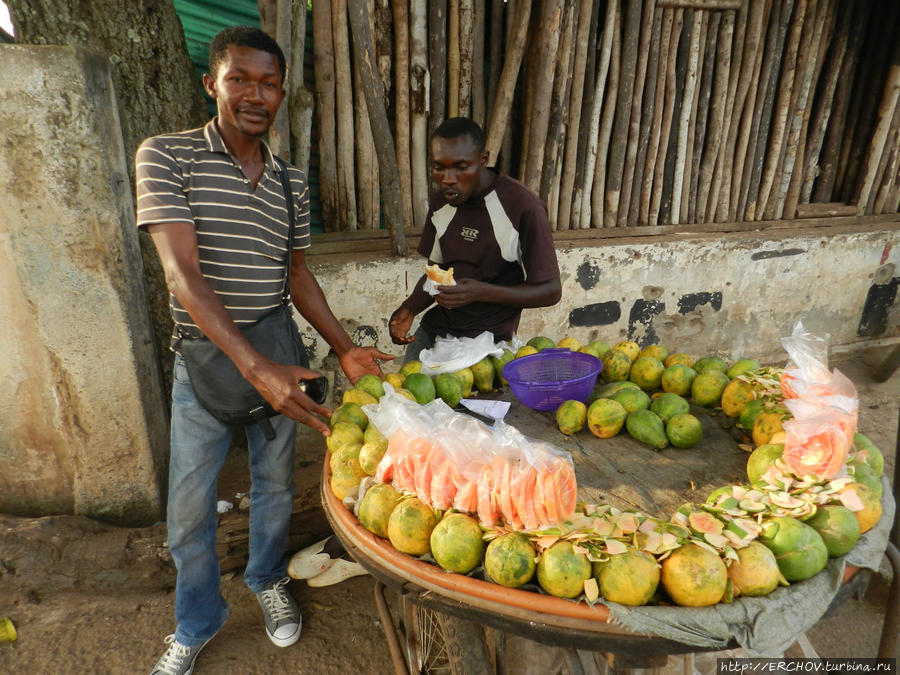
(456, 127)
(243, 36)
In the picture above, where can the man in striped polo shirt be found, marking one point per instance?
(212, 200)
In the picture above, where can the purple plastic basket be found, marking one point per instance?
(544, 380)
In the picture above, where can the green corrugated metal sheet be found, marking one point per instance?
(201, 20)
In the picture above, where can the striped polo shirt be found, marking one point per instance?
(241, 232)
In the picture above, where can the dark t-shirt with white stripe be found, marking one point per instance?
(500, 237)
(241, 232)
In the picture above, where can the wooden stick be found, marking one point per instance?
(587, 106)
(869, 173)
(823, 188)
(590, 218)
(782, 108)
(437, 62)
(558, 111)
(401, 106)
(687, 104)
(700, 114)
(364, 57)
(598, 189)
(347, 219)
(567, 182)
(532, 71)
(506, 146)
(384, 45)
(793, 171)
(323, 62)
(652, 82)
(453, 59)
(765, 101)
(366, 163)
(669, 101)
(671, 153)
(302, 100)
(280, 132)
(618, 146)
(635, 117)
(888, 166)
(722, 93)
(466, 54)
(418, 21)
(740, 135)
(668, 17)
(512, 61)
(496, 50)
(823, 110)
(551, 25)
(701, 4)
(478, 93)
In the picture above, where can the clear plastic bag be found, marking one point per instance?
(450, 459)
(450, 354)
(818, 445)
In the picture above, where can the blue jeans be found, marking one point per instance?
(199, 445)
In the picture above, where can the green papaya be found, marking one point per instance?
(646, 427)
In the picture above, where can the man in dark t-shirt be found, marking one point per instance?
(495, 235)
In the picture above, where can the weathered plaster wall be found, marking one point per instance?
(732, 294)
(82, 418)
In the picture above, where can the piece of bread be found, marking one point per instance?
(439, 276)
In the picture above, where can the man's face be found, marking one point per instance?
(456, 165)
(248, 89)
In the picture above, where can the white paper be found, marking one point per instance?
(494, 409)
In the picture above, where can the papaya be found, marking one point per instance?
(571, 417)
(569, 343)
(765, 426)
(707, 387)
(632, 399)
(630, 348)
(605, 417)
(838, 527)
(525, 350)
(371, 384)
(679, 358)
(735, 396)
(607, 390)
(498, 362)
(646, 372)
(449, 388)
(598, 348)
(798, 548)
(541, 343)
(749, 413)
(710, 363)
(684, 430)
(656, 351)
(742, 366)
(421, 386)
(483, 373)
(874, 457)
(646, 427)
(668, 405)
(616, 366)
(677, 379)
(468, 379)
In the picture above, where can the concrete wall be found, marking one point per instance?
(732, 294)
(82, 418)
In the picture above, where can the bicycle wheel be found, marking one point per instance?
(438, 644)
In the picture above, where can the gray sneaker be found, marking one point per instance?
(178, 659)
(280, 612)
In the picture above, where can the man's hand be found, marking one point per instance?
(466, 291)
(358, 361)
(399, 325)
(279, 385)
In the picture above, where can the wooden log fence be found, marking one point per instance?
(619, 114)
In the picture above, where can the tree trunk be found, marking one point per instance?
(323, 62)
(437, 62)
(598, 190)
(512, 61)
(700, 115)
(344, 116)
(364, 58)
(551, 23)
(555, 138)
(587, 107)
(679, 53)
(652, 80)
(567, 184)
(658, 106)
(419, 87)
(687, 105)
(366, 162)
(401, 116)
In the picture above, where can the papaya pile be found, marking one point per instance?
(518, 527)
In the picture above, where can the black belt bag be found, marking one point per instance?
(218, 383)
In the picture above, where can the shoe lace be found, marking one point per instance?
(276, 602)
(170, 662)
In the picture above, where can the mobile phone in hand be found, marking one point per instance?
(316, 388)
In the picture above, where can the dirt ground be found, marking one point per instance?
(109, 622)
